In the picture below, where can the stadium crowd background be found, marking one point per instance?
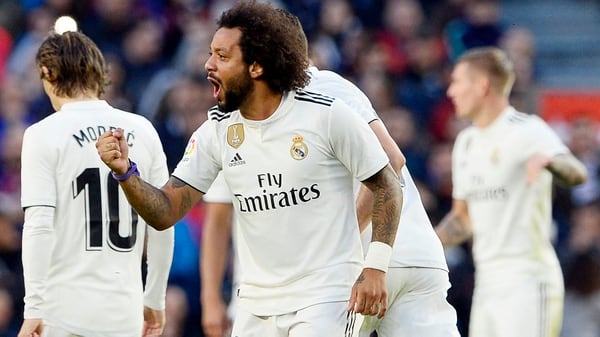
(399, 52)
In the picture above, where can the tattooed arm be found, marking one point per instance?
(387, 203)
(161, 208)
(369, 293)
(455, 227)
(567, 170)
(364, 201)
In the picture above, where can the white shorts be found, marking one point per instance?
(417, 306)
(524, 310)
(326, 319)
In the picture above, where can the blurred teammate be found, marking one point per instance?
(503, 166)
(417, 277)
(82, 242)
(289, 157)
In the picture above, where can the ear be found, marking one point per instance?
(255, 70)
(485, 85)
(45, 74)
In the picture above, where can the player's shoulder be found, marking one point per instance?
(332, 83)
(47, 126)
(524, 124)
(215, 114)
(516, 118)
(313, 97)
(131, 120)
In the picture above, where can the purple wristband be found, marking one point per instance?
(133, 170)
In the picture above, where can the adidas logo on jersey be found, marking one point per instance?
(237, 160)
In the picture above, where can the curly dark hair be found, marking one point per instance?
(75, 64)
(269, 40)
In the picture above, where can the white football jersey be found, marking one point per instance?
(94, 283)
(291, 181)
(511, 220)
(416, 243)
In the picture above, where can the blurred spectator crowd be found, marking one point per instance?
(399, 52)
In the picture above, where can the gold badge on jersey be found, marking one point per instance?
(235, 135)
(299, 150)
(495, 156)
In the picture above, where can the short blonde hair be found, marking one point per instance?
(493, 62)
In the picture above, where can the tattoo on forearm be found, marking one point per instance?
(452, 230)
(387, 202)
(360, 278)
(186, 198)
(151, 202)
(567, 170)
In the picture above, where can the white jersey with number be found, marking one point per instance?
(291, 181)
(511, 219)
(93, 284)
(416, 244)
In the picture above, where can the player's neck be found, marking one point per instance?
(59, 101)
(490, 112)
(261, 104)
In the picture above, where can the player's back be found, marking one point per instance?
(94, 281)
(416, 243)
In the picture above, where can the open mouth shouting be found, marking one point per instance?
(216, 87)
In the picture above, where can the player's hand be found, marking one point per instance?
(214, 318)
(113, 150)
(369, 294)
(154, 322)
(31, 328)
(535, 164)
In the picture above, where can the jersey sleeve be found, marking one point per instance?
(37, 245)
(540, 138)
(160, 243)
(354, 143)
(159, 258)
(38, 161)
(332, 84)
(218, 191)
(458, 150)
(201, 160)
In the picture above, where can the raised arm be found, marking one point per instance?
(455, 227)
(567, 170)
(161, 208)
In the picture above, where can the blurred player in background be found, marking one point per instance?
(82, 242)
(502, 167)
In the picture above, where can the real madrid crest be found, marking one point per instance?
(299, 150)
(235, 135)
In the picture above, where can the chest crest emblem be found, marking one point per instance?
(495, 158)
(235, 135)
(299, 150)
